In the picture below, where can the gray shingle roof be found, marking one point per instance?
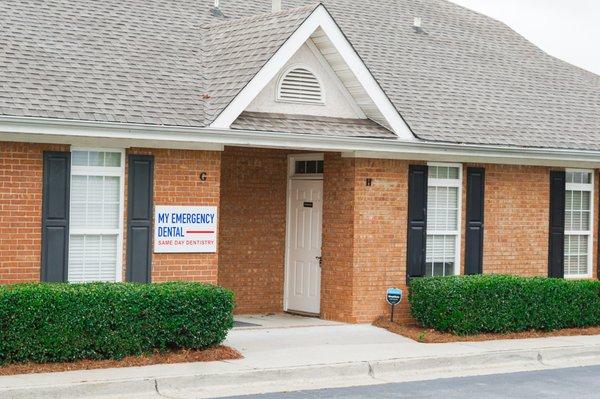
(237, 49)
(467, 78)
(305, 124)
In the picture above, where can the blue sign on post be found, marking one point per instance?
(393, 297)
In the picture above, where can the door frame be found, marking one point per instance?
(291, 176)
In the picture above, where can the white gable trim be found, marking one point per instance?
(320, 17)
(335, 79)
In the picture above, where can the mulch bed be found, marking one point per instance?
(429, 336)
(177, 356)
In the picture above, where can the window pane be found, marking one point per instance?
(452, 173)
(76, 267)
(569, 177)
(440, 255)
(95, 202)
(585, 220)
(96, 158)
(92, 258)
(578, 177)
(443, 172)
(308, 167)
(577, 210)
(78, 201)
(112, 159)
(569, 220)
(576, 254)
(300, 167)
(585, 200)
(111, 189)
(110, 213)
(94, 191)
(439, 269)
(432, 172)
(79, 158)
(108, 267)
(442, 208)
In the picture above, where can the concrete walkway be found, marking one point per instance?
(286, 353)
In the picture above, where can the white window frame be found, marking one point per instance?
(304, 157)
(104, 171)
(450, 183)
(589, 233)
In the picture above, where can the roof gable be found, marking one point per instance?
(235, 51)
(320, 24)
(335, 99)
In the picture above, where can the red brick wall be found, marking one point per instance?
(516, 219)
(515, 236)
(337, 270)
(364, 227)
(252, 227)
(380, 236)
(177, 182)
(21, 174)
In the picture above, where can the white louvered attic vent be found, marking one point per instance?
(300, 85)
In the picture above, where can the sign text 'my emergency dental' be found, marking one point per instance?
(185, 229)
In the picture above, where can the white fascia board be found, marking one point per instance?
(101, 135)
(105, 134)
(487, 155)
(320, 17)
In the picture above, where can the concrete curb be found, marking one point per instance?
(379, 371)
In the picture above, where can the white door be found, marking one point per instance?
(304, 246)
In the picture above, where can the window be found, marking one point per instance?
(308, 167)
(578, 223)
(300, 85)
(443, 219)
(95, 230)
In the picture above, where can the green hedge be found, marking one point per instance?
(498, 303)
(66, 322)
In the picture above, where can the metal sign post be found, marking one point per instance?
(393, 297)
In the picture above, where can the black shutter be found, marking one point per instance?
(55, 216)
(474, 234)
(417, 221)
(556, 243)
(139, 218)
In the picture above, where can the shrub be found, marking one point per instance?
(498, 303)
(66, 322)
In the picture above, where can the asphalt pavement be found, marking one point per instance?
(575, 383)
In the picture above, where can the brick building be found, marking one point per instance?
(307, 158)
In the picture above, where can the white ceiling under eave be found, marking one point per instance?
(347, 77)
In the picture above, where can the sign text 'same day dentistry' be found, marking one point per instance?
(185, 229)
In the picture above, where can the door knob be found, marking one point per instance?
(320, 259)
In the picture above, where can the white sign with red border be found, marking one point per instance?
(189, 229)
